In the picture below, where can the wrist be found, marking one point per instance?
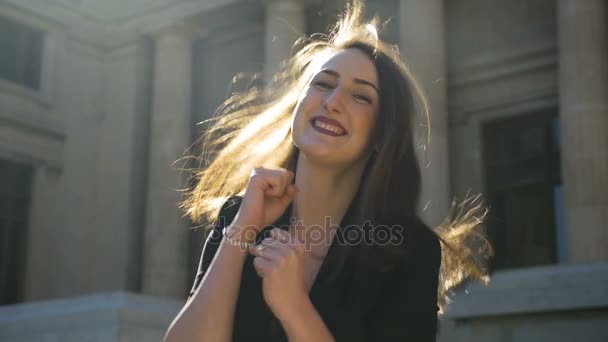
(300, 308)
(241, 232)
(305, 324)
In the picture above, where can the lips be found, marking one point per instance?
(328, 126)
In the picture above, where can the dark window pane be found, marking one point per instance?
(14, 213)
(521, 162)
(523, 227)
(515, 141)
(21, 53)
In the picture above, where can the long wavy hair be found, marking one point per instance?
(253, 128)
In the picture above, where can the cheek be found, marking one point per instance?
(300, 117)
(308, 98)
(305, 108)
(365, 125)
(364, 122)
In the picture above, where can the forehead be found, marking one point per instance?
(350, 63)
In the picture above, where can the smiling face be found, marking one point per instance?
(336, 111)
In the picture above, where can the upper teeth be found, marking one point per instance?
(328, 127)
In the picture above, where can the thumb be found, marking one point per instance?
(292, 190)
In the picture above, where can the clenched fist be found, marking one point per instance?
(268, 194)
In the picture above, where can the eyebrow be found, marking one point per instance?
(357, 80)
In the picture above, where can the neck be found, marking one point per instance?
(324, 192)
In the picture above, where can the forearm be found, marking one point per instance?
(306, 325)
(209, 314)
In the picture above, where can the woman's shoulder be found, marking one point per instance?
(425, 237)
(413, 245)
(421, 244)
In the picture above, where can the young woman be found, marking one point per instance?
(319, 239)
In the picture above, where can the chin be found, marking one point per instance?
(317, 152)
(326, 157)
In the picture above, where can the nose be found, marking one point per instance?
(333, 101)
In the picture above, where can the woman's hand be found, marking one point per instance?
(267, 196)
(279, 260)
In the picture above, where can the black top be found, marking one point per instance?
(360, 304)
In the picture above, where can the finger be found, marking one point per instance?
(289, 194)
(275, 186)
(262, 266)
(268, 251)
(283, 244)
(274, 244)
(289, 176)
(299, 247)
(286, 177)
(257, 250)
(268, 181)
(280, 235)
(286, 238)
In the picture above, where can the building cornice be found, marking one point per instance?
(108, 34)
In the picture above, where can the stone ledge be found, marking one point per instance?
(105, 317)
(538, 289)
(28, 108)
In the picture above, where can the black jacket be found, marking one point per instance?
(361, 304)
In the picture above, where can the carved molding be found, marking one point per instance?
(110, 34)
(520, 103)
(518, 62)
(511, 79)
(29, 143)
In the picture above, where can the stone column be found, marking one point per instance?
(421, 31)
(165, 237)
(583, 102)
(285, 22)
(119, 186)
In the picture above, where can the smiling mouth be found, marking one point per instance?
(327, 128)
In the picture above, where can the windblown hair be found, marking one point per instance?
(253, 128)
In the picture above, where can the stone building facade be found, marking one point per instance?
(98, 99)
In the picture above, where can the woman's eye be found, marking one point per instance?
(362, 98)
(323, 85)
